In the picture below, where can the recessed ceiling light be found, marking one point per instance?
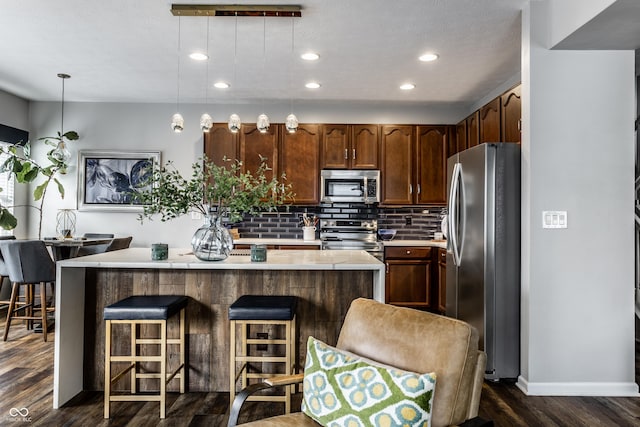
(310, 56)
(428, 57)
(312, 85)
(407, 86)
(221, 85)
(198, 56)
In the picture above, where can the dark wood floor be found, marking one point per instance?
(26, 381)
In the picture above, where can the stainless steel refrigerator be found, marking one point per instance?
(483, 250)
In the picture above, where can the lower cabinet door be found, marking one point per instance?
(408, 283)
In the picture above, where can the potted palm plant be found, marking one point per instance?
(220, 193)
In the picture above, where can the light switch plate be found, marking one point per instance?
(554, 219)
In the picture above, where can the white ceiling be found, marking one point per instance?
(126, 51)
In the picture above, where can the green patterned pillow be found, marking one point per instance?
(344, 390)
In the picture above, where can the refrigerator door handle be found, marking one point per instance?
(453, 212)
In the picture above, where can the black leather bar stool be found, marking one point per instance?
(28, 264)
(144, 310)
(253, 310)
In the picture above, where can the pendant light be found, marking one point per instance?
(61, 153)
(263, 121)
(291, 123)
(206, 122)
(177, 121)
(234, 120)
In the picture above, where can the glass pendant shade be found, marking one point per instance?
(291, 123)
(206, 122)
(234, 123)
(177, 123)
(61, 153)
(263, 123)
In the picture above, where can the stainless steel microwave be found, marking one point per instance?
(351, 186)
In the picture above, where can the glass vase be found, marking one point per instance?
(212, 241)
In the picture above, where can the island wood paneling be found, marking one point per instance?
(324, 297)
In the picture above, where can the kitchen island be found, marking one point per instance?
(325, 281)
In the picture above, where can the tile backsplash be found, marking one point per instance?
(285, 223)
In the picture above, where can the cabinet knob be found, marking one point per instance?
(408, 252)
(346, 154)
(354, 154)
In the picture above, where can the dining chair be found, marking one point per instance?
(98, 235)
(28, 264)
(95, 249)
(4, 273)
(119, 243)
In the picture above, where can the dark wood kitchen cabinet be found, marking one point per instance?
(431, 164)
(350, 146)
(473, 129)
(408, 278)
(461, 137)
(510, 115)
(299, 159)
(220, 143)
(254, 145)
(414, 164)
(397, 164)
(490, 122)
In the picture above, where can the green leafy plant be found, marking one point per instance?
(224, 189)
(26, 170)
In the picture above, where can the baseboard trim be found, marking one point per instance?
(578, 389)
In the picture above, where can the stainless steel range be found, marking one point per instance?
(351, 234)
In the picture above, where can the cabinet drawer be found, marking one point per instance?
(407, 252)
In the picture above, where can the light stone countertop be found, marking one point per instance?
(277, 241)
(433, 243)
(182, 258)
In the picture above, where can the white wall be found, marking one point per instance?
(566, 16)
(146, 127)
(578, 156)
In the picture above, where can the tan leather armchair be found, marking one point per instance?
(411, 340)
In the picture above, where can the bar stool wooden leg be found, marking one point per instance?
(134, 354)
(183, 374)
(12, 304)
(107, 368)
(163, 368)
(232, 361)
(43, 309)
(244, 351)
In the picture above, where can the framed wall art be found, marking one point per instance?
(111, 180)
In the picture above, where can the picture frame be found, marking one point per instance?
(109, 180)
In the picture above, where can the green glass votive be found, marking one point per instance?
(258, 253)
(159, 251)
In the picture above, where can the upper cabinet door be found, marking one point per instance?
(431, 147)
(490, 122)
(511, 115)
(254, 144)
(397, 170)
(219, 143)
(335, 147)
(300, 160)
(364, 147)
(473, 130)
(461, 138)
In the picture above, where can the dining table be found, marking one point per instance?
(69, 247)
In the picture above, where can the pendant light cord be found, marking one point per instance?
(235, 60)
(178, 82)
(206, 78)
(62, 110)
(264, 56)
(292, 63)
